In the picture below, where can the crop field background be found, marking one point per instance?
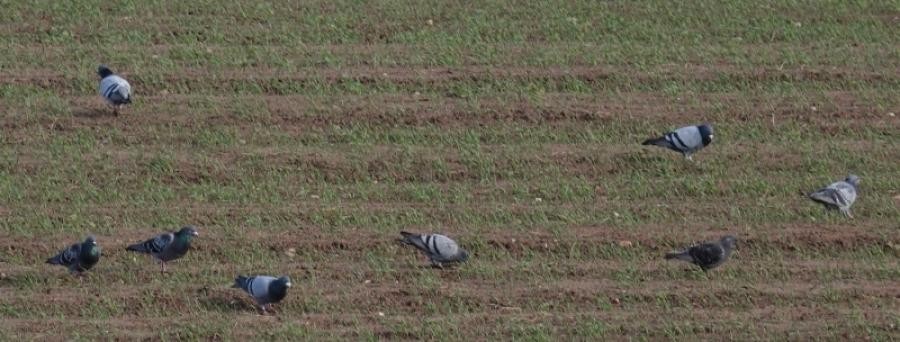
(301, 137)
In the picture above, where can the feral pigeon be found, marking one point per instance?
(114, 89)
(438, 248)
(839, 195)
(79, 257)
(686, 140)
(168, 246)
(265, 290)
(707, 255)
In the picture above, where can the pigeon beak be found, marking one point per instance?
(288, 284)
(711, 137)
(195, 233)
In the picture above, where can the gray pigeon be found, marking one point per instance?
(265, 290)
(79, 257)
(114, 89)
(686, 140)
(839, 195)
(707, 255)
(168, 246)
(438, 248)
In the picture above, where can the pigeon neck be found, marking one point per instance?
(278, 291)
(90, 252)
(182, 238)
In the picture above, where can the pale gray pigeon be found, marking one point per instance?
(707, 255)
(79, 257)
(265, 290)
(686, 140)
(438, 248)
(168, 246)
(839, 195)
(114, 89)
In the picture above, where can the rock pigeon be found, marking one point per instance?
(168, 246)
(707, 255)
(264, 289)
(79, 257)
(114, 89)
(839, 195)
(686, 140)
(438, 248)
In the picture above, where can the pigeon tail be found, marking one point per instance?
(661, 141)
(684, 255)
(241, 282)
(416, 240)
(56, 260)
(138, 247)
(408, 237)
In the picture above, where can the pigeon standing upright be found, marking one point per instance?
(79, 257)
(686, 140)
(167, 246)
(265, 290)
(839, 195)
(114, 89)
(438, 248)
(707, 255)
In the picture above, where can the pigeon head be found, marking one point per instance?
(283, 281)
(188, 231)
(103, 71)
(728, 242)
(89, 249)
(278, 288)
(706, 133)
(853, 179)
(463, 255)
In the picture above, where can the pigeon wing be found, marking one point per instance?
(685, 139)
(443, 247)
(66, 257)
(115, 89)
(707, 254)
(416, 240)
(259, 288)
(829, 196)
(155, 245)
(846, 193)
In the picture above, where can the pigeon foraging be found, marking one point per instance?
(838, 195)
(438, 248)
(265, 290)
(113, 88)
(79, 257)
(686, 140)
(707, 255)
(168, 246)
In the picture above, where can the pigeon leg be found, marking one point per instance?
(262, 309)
(162, 265)
(689, 157)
